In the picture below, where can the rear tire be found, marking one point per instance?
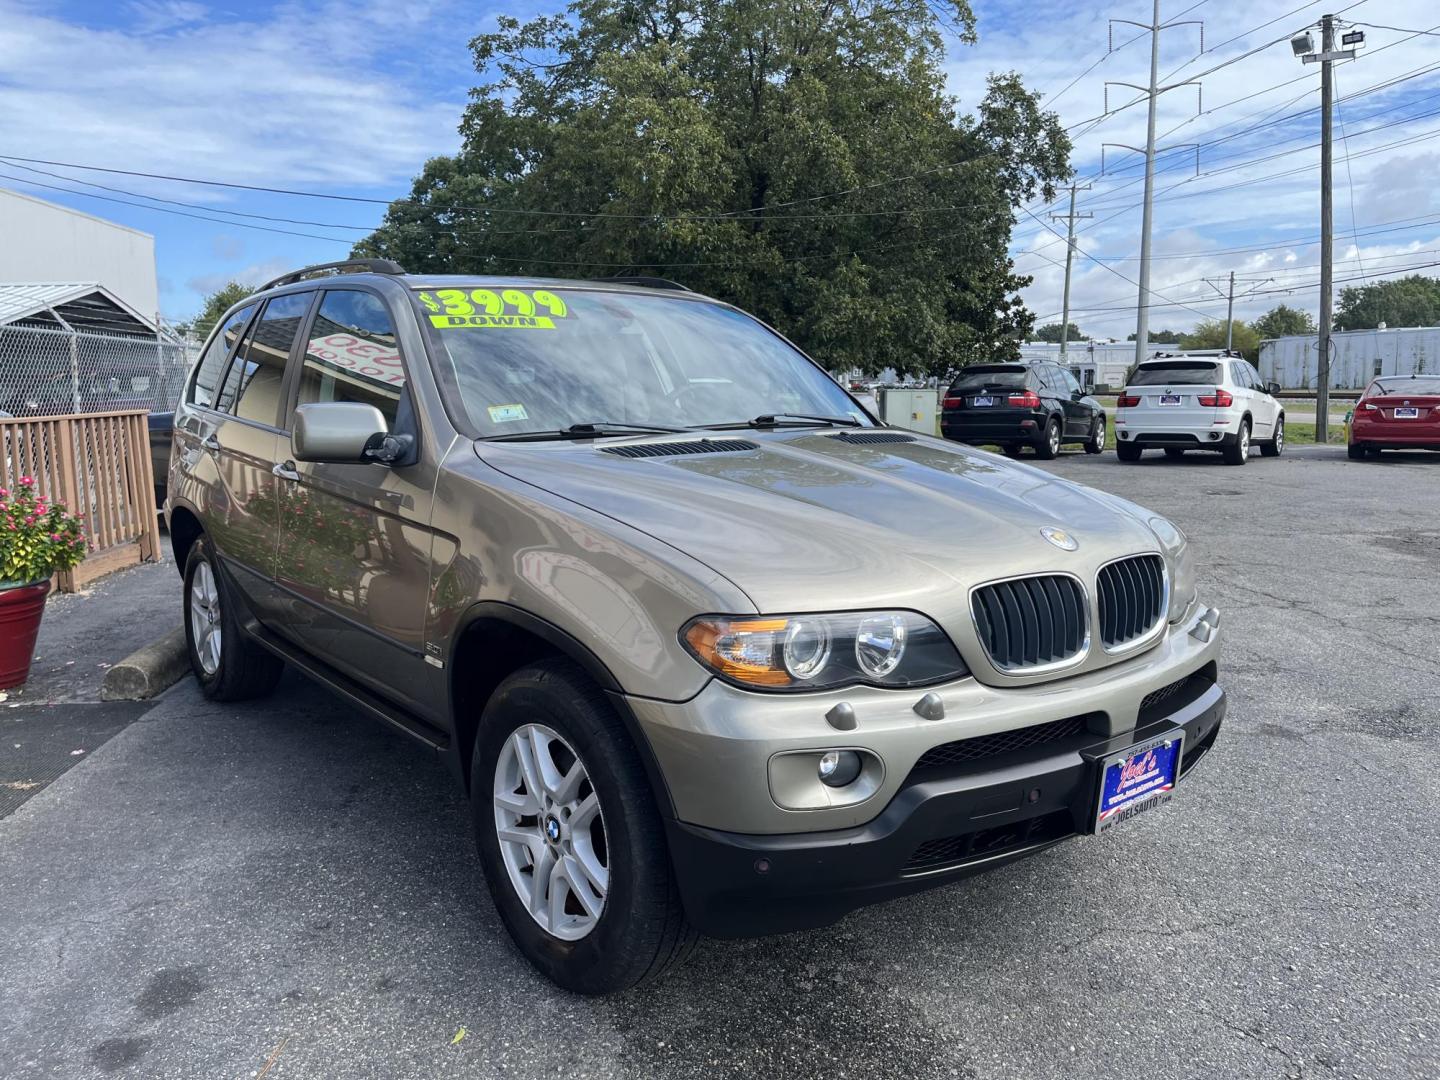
(1011, 450)
(1096, 443)
(1275, 446)
(1355, 452)
(1238, 452)
(1128, 451)
(594, 940)
(1174, 453)
(1049, 445)
(228, 664)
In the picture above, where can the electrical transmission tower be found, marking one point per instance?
(1070, 220)
(1152, 92)
(1229, 294)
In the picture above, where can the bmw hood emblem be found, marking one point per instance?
(1060, 538)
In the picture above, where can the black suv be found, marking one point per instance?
(1017, 405)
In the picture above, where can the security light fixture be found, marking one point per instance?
(1303, 43)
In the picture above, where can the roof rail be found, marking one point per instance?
(369, 266)
(647, 282)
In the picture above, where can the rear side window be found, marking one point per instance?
(991, 379)
(207, 374)
(1178, 373)
(259, 366)
(352, 354)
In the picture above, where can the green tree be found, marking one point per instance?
(1051, 332)
(1407, 301)
(1211, 335)
(1282, 321)
(1160, 337)
(216, 304)
(796, 157)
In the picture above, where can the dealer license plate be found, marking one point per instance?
(1138, 779)
(1406, 414)
(1169, 399)
(982, 402)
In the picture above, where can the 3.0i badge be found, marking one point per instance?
(1060, 538)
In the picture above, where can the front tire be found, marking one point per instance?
(594, 906)
(1238, 452)
(228, 665)
(1048, 448)
(1096, 443)
(1275, 446)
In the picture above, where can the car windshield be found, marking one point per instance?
(534, 360)
(1177, 373)
(1006, 378)
(1420, 386)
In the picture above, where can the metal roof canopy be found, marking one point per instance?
(84, 306)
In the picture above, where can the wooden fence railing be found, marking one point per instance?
(97, 465)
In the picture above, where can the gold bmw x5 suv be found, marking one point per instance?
(710, 650)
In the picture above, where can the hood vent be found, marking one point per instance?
(871, 437)
(680, 449)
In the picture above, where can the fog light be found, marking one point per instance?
(838, 768)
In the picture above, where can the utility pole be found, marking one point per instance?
(1069, 261)
(1303, 45)
(1229, 294)
(1152, 92)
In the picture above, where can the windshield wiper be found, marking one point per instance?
(596, 429)
(788, 419)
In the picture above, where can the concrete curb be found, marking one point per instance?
(146, 672)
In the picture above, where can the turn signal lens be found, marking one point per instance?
(1221, 399)
(951, 402)
(1028, 400)
(1127, 401)
(810, 652)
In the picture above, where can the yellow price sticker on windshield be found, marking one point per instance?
(508, 309)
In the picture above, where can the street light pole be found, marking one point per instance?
(1327, 237)
(1142, 319)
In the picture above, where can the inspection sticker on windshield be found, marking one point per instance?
(501, 413)
(487, 309)
(1138, 779)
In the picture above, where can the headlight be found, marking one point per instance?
(1182, 565)
(813, 652)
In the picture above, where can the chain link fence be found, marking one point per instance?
(46, 372)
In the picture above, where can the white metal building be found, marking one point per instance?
(1095, 363)
(1356, 357)
(43, 242)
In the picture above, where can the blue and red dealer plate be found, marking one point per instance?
(1138, 779)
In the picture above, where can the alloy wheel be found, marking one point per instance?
(1279, 435)
(205, 618)
(551, 832)
(1054, 438)
(1100, 433)
(1244, 440)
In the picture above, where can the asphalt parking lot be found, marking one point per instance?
(284, 889)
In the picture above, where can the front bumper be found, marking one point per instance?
(945, 823)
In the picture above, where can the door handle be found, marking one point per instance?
(286, 471)
(210, 442)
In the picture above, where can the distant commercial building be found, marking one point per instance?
(1356, 357)
(41, 242)
(1095, 363)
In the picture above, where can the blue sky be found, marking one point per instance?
(350, 98)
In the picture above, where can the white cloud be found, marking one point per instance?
(253, 275)
(1052, 42)
(300, 96)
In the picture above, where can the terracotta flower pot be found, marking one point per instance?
(21, 606)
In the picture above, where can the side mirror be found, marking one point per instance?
(1272, 388)
(340, 432)
(1076, 395)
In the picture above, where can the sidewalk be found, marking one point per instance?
(57, 718)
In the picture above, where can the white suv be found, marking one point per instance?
(1179, 403)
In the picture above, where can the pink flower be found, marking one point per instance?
(54, 536)
(30, 520)
(27, 481)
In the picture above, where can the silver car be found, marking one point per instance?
(709, 649)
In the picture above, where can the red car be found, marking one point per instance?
(1397, 412)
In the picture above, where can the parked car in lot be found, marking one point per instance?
(709, 650)
(1216, 403)
(1018, 405)
(1398, 412)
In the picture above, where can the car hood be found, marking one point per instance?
(810, 521)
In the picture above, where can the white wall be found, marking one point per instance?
(1357, 356)
(40, 241)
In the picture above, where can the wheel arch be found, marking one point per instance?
(496, 639)
(185, 529)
